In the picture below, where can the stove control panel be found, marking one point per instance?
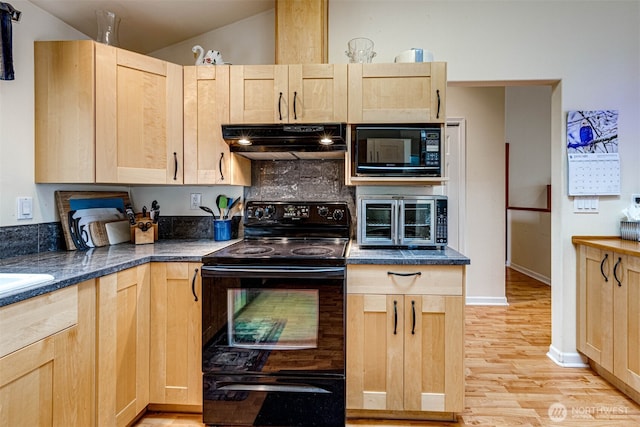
(308, 213)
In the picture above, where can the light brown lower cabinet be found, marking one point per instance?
(46, 359)
(608, 306)
(100, 352)
(405, 341)
(176, 349)
(122, 345)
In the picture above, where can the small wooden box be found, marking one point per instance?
(139, 235)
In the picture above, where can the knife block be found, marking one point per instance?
(140, 236)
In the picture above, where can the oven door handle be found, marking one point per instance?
(287, 388)
(293, 271)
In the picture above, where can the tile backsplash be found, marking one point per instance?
(300, 180)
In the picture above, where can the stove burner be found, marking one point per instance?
(253, 250)
(312, 250)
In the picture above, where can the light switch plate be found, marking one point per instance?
(585, 204)
(25, 208)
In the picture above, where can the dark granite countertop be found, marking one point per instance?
(71, 267)
(404, 256)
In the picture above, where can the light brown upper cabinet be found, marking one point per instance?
(397, 93)
(302, 93)
(207, 159)
(301, 31)
(106, 115)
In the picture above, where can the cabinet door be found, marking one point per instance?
(64, 111)
(301, 31)
(207, 159)
(375, 340)
(176, 349)
(318, 93)
(28, 384)
(434, 353)
(627, 320)
(397, 93)
(138, 118)
(49, 382)
(122, 346)
(595, 305)
(259, 94)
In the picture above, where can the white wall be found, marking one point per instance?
(528, 132)
(250, 41)
(483, 110)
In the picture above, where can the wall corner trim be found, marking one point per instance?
(567, 360)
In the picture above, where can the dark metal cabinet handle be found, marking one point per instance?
(395, 317)
(606, 256)
(295, 115)
(175, 166)
(220, 166)
(438, 113)
(193, 285)
(413, 319)
(279, 106)
(391, 273)
(615, 271)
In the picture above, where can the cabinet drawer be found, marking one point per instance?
(405, 279)
(34, 319)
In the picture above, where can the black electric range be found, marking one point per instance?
(273, 318)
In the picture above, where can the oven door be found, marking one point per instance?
(272, 336)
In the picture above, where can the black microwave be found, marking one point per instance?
(397, 150)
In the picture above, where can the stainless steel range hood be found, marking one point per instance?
(287, 141)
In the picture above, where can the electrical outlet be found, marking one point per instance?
(196, 200)
(635, 200)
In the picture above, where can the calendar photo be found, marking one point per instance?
(592, 153)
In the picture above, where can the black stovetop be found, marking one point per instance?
(289, 251)
(289, 233)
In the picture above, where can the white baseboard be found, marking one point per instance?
(567, 360)
(539, 277)
(486, 301)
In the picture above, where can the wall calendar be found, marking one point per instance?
(592, 152)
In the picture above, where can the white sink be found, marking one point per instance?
(13, 282)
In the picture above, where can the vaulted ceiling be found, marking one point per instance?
(149, 25)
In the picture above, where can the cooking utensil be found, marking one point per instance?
(155, 211)
(207, 209)
(218, 199)
(130, 214)
(222, 204)
(231, 206)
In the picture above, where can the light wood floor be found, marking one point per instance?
(509, 379)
